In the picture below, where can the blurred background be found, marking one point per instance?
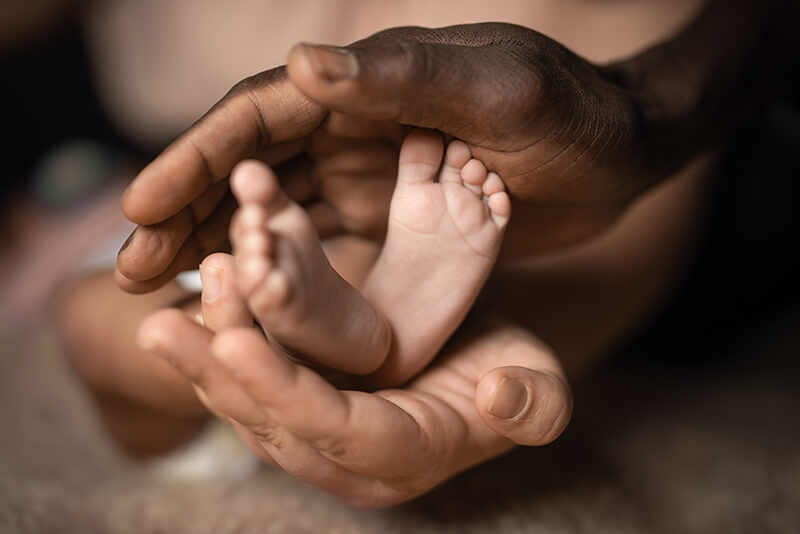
(712, 445)
(63, 158)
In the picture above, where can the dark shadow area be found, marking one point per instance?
(49, 97)
(691, 429)
(748, 264)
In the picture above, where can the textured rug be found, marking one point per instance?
(660, 442)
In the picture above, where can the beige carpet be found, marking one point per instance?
(699, 445)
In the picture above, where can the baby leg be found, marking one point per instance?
(145, 404)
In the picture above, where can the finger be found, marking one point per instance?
(529, 407)
(303, 422)
(184, 344)
(209, 236)
(223, 307)
(150, 249)
(361, 432)
(273, 382)
(450, 79)
(252, 443)
(302, 460)
(257, 112)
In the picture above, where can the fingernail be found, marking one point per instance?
(127, 243)
(332, 63)
(510, 399)
(211, 280)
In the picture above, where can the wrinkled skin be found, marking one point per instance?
(566, 140)
(368, 449)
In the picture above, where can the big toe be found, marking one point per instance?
(254, 182)
(420, 156)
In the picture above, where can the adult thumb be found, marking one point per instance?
(526, 406)
(461, 80)
(222, 305)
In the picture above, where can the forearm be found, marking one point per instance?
(700, 87)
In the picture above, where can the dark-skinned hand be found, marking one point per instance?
(563, 137)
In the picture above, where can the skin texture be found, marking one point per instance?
(368, 449)
(303, 305)
(533, 158)
(446, 220)
(454, 414)
(580, 302)
(575, 142)
(582, 143)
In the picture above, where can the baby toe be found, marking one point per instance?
(420, 157)
(457, 154)
(253, 242)
(473, 175)
(247, 218)
(493, 184)
(253, 182)
(455, 157)
(499, 208)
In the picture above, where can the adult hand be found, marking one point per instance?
(490, 389)
(566, 140)
(493, 386)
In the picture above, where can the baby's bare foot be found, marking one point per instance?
(445, 229)
(290, 286)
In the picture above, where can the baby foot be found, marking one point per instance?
(445, 230)
(301, 302)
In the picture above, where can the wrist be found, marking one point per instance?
(698, 88)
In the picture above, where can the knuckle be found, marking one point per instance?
(270, 433)
(333, 447)
(248, 90)
(399, 65)
(166, 237)
(254, 82)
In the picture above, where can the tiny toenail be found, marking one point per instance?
(510, 399)
(211, 279)
(332, 63)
